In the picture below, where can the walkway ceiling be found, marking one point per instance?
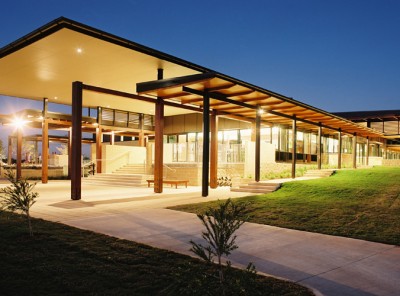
(44, 64)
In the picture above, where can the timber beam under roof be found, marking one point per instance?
(234, 98)
(144, 87)
(221, 97)
(137, 97)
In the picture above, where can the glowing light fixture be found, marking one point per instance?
(260, 111)
(79, 50)
(19, 122)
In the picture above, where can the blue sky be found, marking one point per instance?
(334, 55)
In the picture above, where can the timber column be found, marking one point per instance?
(355, 151)
(76, 145)
(294, 147)
(214, 151)
(159, 141)
(367, 153)
(99, 137)
(45, 143)
(69, 152)
(319, 147)
(340, 149)
(9, 157)
(19, 153)
(206, 144)
(258, 146)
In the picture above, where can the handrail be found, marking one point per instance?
(173, 170)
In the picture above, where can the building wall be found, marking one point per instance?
(267, 156)
(116, 156)
(193, 123)
(391, 162)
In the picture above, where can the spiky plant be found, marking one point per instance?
(221, 224)
(19, 197)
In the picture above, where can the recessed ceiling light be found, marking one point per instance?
(79, 50)
(55, 98)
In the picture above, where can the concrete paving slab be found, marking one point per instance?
(332, 265)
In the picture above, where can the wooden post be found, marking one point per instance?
(214, 151)
(69, 152)
(294, 147)
(258, 146)
(76, 164)
(112, 138)
(9, 157)
(206, 144)
(385, 151)
(340, 150)
(45, 143)
(99, 137)
(319, 147)
(142, 142)
(159, 141)
(367, 153)
(270, 134)
(99, 140)
(19, 153)
(355, 150)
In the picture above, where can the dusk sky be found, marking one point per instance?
(334, 55)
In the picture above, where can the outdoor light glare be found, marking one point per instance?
(19, 122)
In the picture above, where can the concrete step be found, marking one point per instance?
(251, 190)
(131, 169)
(257, 187)
(319, 173)
(264, 184)
(265, 188)
(120, 176)
(115, 183)
(118, 180)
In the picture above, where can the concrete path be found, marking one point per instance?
(331, 265)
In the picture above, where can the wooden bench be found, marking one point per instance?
(172, 182)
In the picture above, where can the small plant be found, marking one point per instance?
(224, 181)
(221, 224)
(19, 196)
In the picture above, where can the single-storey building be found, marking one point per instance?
(170, 116)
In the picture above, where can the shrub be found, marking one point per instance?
(19, 196)
(221, 224)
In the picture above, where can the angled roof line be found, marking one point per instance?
(63, 22)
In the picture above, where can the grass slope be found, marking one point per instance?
(362, 203)
(62, 260)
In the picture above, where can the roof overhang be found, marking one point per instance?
(44, 63)
(233, 98)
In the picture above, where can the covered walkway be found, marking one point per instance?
(332, 265)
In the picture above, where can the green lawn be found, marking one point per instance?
(362, 203)
(62, 260)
